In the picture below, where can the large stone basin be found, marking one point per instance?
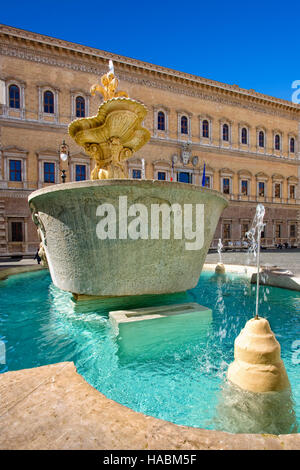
(82, 263)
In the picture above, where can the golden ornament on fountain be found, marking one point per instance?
(112, 136)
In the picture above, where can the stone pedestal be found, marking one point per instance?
(257, 366)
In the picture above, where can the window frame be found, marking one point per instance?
(80, 115)
(159, 122)
(262, 133)
(82, 165)
(186, 126)
(277, 142)
(135, 171)
(292, 140)
(50, 93)
(49, 172)
(247, 181)
(225, 126)
(159, 172)
(10, 86)
(258, 192)
(229, 184)
(205, 123)
(243, 136)
(278, 183)
(14, 220)
(10, 170)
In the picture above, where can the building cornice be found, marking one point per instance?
(80, 57)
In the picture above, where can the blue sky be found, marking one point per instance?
(254, 44)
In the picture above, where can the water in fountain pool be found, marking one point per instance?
(41, 325)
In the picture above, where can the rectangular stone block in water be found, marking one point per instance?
(148, 332)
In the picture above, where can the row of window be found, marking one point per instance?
(15, 171)
(48, 101)
(205, 132)
(15, 174)
(227, 229)
(17, 233)
(48, 107)
(261, 188)
(187, 177)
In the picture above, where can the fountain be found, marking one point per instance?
(257, 366)
(257, 395)
(220, 268)
(114, 236)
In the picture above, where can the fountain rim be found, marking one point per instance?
(124, 182)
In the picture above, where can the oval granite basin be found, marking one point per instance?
(126, 237)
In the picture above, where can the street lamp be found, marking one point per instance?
(64, 155)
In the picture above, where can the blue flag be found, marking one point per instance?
(203, 176)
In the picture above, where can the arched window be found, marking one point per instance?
(80, 107)
(205, 129)
(292, 145)
(161, 121)
(277, 142)
(261, 139)
(225, 132)
(14, 96)
(244, 136)
(48, 102)
(184, 125)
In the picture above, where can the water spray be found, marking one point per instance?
(254, 236)
(220, 268)
(257, 365)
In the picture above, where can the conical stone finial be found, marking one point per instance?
(257, 366)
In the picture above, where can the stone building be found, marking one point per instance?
(249, 142)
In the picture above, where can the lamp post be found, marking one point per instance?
(64, 154)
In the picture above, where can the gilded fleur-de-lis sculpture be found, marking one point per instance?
(112, 136)
(109, 85)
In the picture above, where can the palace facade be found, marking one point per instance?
(249, 142)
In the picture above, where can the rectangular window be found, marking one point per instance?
(137, 174)
(80, 172)
(226, 231)
(226, 185)
(277, 190)
(49, 172)
(278, 230)
(292, 191)
(15, 172)
(184, 177)
(293, 231)
(244, 230)
(261, 189)
(244, 187)
(16, 231)
(207, 181)
(161, 175)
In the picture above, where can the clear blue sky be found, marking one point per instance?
(254, 44)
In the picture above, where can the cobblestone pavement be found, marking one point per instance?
(288, 259)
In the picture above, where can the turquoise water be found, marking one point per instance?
(179, 381)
